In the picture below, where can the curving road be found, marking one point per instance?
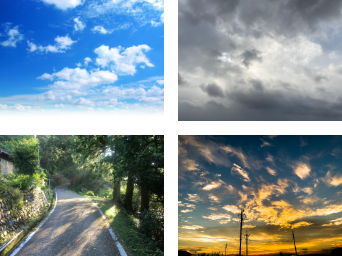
(74, 228)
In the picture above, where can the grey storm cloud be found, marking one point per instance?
(250, 55)
(260, 60)
(181, 80)
(213, 90)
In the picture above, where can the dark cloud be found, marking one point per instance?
(181, 81)
(250, 55)
(213, 90)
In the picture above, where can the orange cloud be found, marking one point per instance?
(222, 218)
(231, 208)
(190, 165)
(271, 171)
(301, 224)
(332, 181)
(193, 227)
(194, 198)
(237, 169)
(214, 198)
(213, 185)
(302, 170)
(187, 210)
(238, 152)
(334, 222)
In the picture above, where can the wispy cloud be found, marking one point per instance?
(63, 43)
(64, 4)
(13, 36)
(302, 170)
(236, 169)
(79, 25)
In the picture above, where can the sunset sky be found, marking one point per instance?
(282, 182)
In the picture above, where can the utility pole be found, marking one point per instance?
(225, 249)
(247, 235)
(241, 220)
(294, 242)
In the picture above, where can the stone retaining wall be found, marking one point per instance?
(34, 203)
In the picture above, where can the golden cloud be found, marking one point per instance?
(194, 198)
(223, 218)
(231, 208)
(193, 227)
(302, 170)
(215, 198)
(334, 222)
(187, 210)
(271, 171)
(190, 165)
(213, 185)
(301, 224)
(238, 152)
(237, 169)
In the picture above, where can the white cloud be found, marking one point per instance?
(160, 82)
(109, 103)
(3, 106)
(62, 43)
(77, 78)
(83, 101)
(153, 94)
(86, 61)
(14, 36)
(59, 106)
(101, 30)
(79, 25)
(20, 107)
(64, 4)
(123, 60)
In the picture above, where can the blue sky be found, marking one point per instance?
(282, 183)
(76, 55)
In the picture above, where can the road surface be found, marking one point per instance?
(74, 228)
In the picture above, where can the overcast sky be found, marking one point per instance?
(260, 60)
(282, 183)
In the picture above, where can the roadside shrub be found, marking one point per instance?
(90, 193)
(106, 192)
(57, 179)
(17, 198)
(152, 225)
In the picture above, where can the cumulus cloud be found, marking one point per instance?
(63, 43)
(122, 60)
(161, 82)
(64, 4)
(77, 78)
(302, 170)
(13, 36)
(79, 25)
(86, 61)
(101, 30)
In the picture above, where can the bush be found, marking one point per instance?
(152, 225)
(90, 193)
(17, 199)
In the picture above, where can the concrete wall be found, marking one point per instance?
(10, 221)
(6, 167)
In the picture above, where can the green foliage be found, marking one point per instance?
(17, 199)
(152, 225)
(24, 182)
(90, 193)
(24, 154)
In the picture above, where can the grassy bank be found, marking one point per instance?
(126, 228)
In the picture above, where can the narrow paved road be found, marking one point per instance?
(74, 228)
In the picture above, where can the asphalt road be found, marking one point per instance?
(74, 228)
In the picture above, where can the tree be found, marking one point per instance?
(24, 154)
